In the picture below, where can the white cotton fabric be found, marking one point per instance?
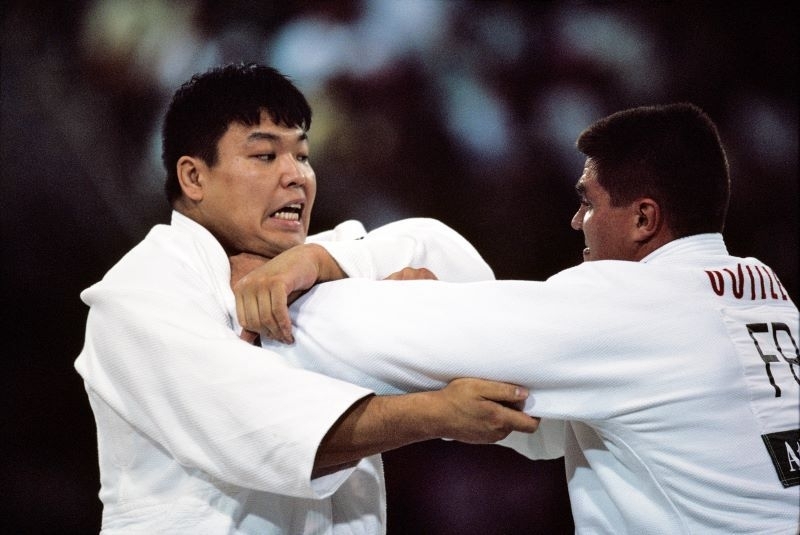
(200, 432)
(665, 393)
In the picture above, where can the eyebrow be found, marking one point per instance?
(269, 136)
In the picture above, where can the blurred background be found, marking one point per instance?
(466, 111)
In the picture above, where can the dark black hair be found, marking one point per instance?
(670, 153)
(203, 108)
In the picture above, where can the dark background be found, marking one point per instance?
(464, 111)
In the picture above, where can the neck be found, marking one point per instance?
(244, 263)
(655, 242)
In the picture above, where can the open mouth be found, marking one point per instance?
(290, 212)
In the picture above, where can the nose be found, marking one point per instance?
(292, 172)
(577, 219)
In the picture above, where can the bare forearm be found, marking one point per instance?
(329, 269)
(373, 425)
(469, 410)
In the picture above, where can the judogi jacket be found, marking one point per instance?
(200, 432)
(677, 376)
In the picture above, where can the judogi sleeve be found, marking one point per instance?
(415, 242)
(577, 350)
(556, 336)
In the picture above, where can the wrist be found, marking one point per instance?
(428, 414)
(409, 418)
(327, 267)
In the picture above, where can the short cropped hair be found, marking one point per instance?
(670, 153)
(203, 108)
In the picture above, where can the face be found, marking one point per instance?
(607, 229)
(258, 196)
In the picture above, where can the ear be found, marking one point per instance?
(189, 173)
(649, 219)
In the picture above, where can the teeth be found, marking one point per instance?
(290, 213)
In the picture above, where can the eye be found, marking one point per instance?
(302, 158)
(266, 157)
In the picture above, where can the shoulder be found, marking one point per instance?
(620, 278)
(167, 254)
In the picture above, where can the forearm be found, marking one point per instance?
(469, 410)
(373, 425)
(307, 265)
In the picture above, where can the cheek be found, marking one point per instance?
(311, 194)
(596, 231)
(311, 184)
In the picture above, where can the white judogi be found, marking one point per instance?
(202, 433)
(678, 376)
